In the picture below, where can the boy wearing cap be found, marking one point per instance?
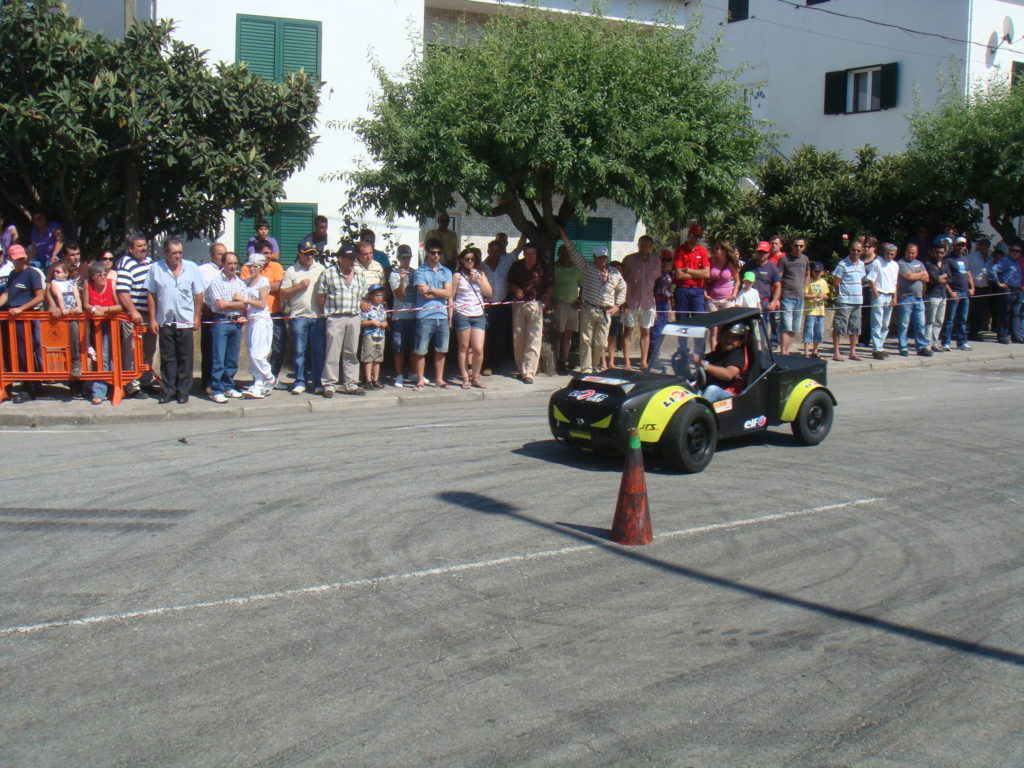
(403, 321)
(748, 295)
(814, 323)
(692, 266)
(306, 328)
(374, 323)
(24, 290)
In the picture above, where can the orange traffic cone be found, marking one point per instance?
(632, 524)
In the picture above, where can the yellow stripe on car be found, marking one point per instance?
(659, 410)
(559, 416)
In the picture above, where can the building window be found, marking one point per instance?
(816, 2)
(865, 90)
(597, 231)
(739, 10)
(289, 223)
(1017, 73)
(862, 89)
(274, 48)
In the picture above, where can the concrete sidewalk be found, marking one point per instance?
(56, 407)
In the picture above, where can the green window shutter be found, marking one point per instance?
(256, 44)
(292, 222)
(244, 229)
(300, 47)
(597, 231)
(835, 92)
(890, 86)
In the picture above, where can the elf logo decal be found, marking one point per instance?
(589, 395)
(754, 423)
(674, 397)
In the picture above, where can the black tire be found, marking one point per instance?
(814, 419)
(689, 441)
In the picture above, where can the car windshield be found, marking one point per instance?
(681, 346)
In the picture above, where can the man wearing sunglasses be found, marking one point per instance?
(433, 284)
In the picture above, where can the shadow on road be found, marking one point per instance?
(598, 537)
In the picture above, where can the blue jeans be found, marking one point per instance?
(100, 389)
(308, 338)
(955, 325)
(713, 393)
(662, 310)
(814, 329)
(431, 331)
(226, 338)
(911, 316)
(688, 300)
(1017, 315)
(881, 314)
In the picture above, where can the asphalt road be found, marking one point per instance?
(431, 587)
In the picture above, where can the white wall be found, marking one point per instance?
(789, 49)
(991, 19)
(353, 31)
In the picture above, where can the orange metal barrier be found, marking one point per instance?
(54, 351)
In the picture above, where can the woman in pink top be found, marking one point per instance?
(723, 282)
(722, 285)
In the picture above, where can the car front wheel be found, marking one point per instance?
(689, 441)
(814, 419)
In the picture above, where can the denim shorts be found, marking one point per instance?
(465, 322)
(789, 317)
(403, 335)
(814, 329)
(431, 331)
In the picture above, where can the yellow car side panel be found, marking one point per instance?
(659, 410)
(797, 397)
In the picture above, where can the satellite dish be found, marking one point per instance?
(747, 184)
(1008, 29)
(993, 43)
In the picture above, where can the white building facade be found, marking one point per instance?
(836, 74)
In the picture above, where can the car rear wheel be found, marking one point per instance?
(814, 419)
(689, 441)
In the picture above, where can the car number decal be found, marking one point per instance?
(589, 395)
(721, 406)
(604, 380)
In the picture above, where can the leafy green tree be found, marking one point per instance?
(541, 115)
(973, 147)
(141, 134)
(823, 196)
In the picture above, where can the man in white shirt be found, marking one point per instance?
(207, 271)
(307, 329)
(882, 276)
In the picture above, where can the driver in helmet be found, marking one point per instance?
(727, 365)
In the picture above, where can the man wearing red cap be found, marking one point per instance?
(768, 280)
(691, 265)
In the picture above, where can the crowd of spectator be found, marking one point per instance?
(332, 318)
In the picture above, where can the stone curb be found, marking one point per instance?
(83, 414)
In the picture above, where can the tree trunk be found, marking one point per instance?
(132, 192)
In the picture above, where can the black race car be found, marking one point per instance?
(666, 405)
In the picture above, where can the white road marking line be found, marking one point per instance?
(409, 575)
(978, 375)
(35, 431)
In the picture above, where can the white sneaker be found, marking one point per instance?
(254, 392)
(298, 389)
(234, 393)
(269, 387)
(220, 398)
(399, 381)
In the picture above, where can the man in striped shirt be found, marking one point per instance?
(132, 272)
(339, 291)
(603, 293)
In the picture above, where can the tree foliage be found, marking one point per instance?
(823, 196)
(105, 134)
(541, 115)
(973, 147)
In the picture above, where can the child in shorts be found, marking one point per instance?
(814, 323)
(374, 323)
